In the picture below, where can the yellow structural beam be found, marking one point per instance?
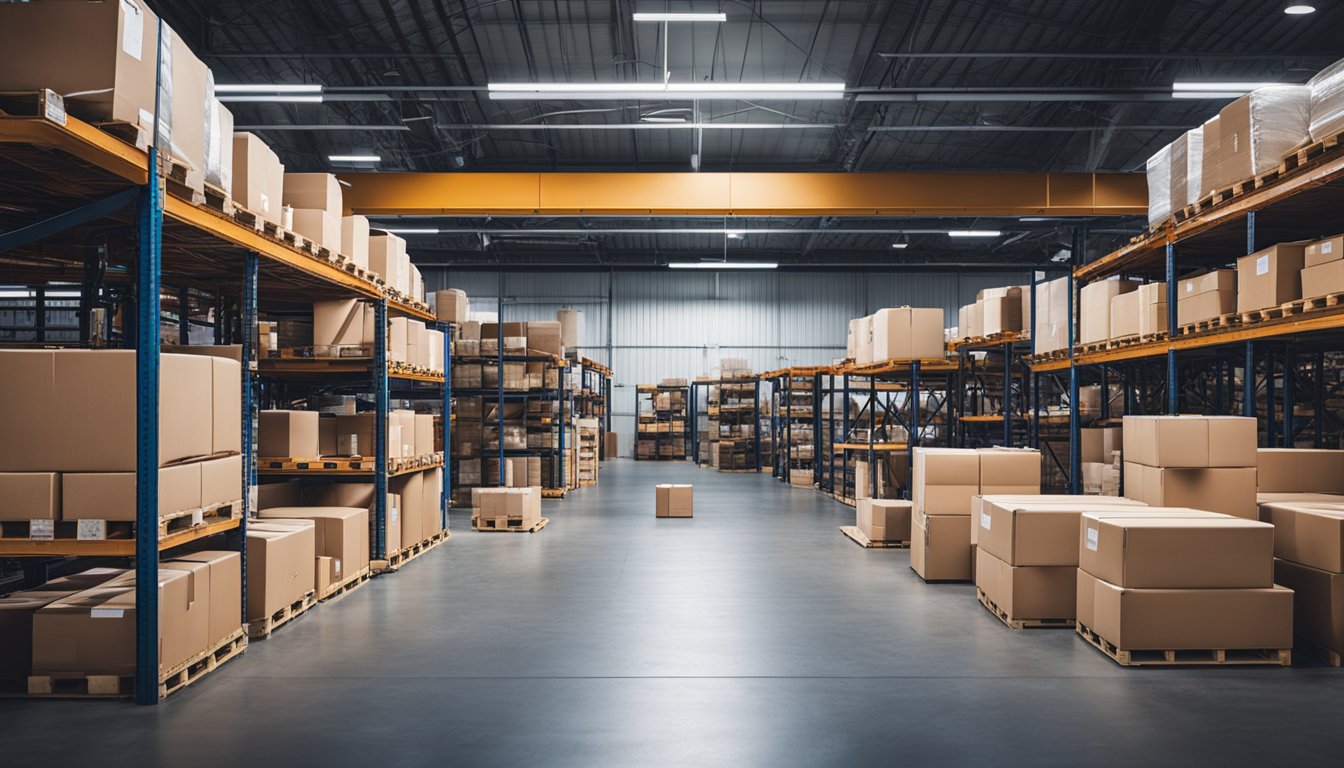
(747, 194)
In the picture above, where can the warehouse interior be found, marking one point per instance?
(671, 382)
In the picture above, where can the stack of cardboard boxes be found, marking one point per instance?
(1139, 313)
(1309, 559)
(884, 521)
(995, 311)
(1094, 308)
(341, 541)
(1323, 267)
(1205, 297)
(1101, 449)
(1270, 277)
(945, 483)
(281, 571)
(503, 509)
(69, 456)
(899, 333)
(1205, 462)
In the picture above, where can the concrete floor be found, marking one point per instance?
(753, 634)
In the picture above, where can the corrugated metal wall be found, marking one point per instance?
(653, 325)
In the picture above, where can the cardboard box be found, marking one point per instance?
(452, 306)
(520, 503)
(320, 226)
(30, 496)
(1211, 177)
(355, 240)
(1002, 314)
(1299, 470)
(398, 340)
(940, 546)
(1258, 129)
(111, 495)
(291, 434)
(226, 591)
(424, 434)
(543, 337)
(339, 322)
(1270, 277)
(863, 347)
(1232, 441)
(196, 629)
(226, 400)
(884, 519)
(1323, 279)
(1226, 490)
(1027, 592)
(1318, 603)
(258, 177)
(1152, 308)
(610, 445)
(410, 490)
(341, 533)
(907, 333)
(1010, 468)
(387, 257)
(1098, 443)
(280, 566)
(314, 191)
(188, 91)
(431, 505)
(945, 480)
(1190, 619)
(221, 480)
(1094, 308)
(1038, 533)
(1309, 534)
(1205, 306)
(356, 432)
(1166, 441)
(1177, 553)
(975, 320)
(1323, 252)
(674, 500)
(1125, 311)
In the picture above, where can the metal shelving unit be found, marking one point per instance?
(733, 402)
(795, 423)
(991, 404)
(593, 398)
(650, 429)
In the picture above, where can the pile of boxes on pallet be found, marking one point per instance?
(1051, 331)
(503, 509)
(67, 465)
(896, 333)
(884, 521)
(660, 434)
(590, 432)
(1205, 462)
(308, 435)
(734, 424)
(995, 311)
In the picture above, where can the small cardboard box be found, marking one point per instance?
(1323, 252)
(30, 496)
(1152, 309)
(280, 566)
(320, 226)
(451, 306)
(1010, 468)
(940, 546)
(288, 434)
(1309, 534)
(410, 490)
(1156, 552)
(1094, 313)
(1002, 314)
(221, 480)
(386, 252)
(1323, 279)
(884, 519)
(674, 500)
(111, 495)
(543, 337)
(314, 191)
(1027, 592)
(1270, 277)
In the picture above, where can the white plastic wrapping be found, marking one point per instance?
(218, 139)
(1327, 101)
(1159, 187)
(1257, 130)
(1187, 166)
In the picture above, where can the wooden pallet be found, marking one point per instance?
(170, 524)
(249, 219)
(348, 585)
(346, 463)
(262, 628)
(396, 560)
(218, 200)
(184, 181)
(1215, 657)
(511, 525)
(1316, 651)
(1210, 324)
(115, 686)
(1003, 616)
(853, 532)
(1290, 165)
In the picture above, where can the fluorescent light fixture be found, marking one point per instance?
(406, 231)
(1208, 94)
(662, 120)
(899, 246)
(1299, 10)
(680, 17)
(1243, 86)
(723, 265)
(824, 91)
(1038, 218)
(734, 234)
(249, 88)
(298, 98)
(974, 233)
(570, 87)
(354, 158)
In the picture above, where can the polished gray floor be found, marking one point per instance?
(753, 634)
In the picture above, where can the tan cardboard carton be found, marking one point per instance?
(189, 118)
(316, 191)
(1085, 597)
(884, 519)
(543, 337)
(111, 495)
(424, 434)
(1258, 129)
(674, 500)
(339, 322)
(1166, 441)
(975, 320)
(1027, 592)
(1094, 315)
(1098, 443)
(355, 240)
(1125, 310)
(1036, 534)
(945, 479)
(1318, 603)
(1152, 309)
(258, 177)
(1270, 277)
(341, 533)
(221, 480)
(1211, 177)
(1232, 441)
(1003, 314)
(1010, 467)
(30, 496)
(1323, 279)
(398, 340)
(451, 305)
(1309, 534)
(940, 546)
(1192, 619)
(1206, 296)
(1323, 252)
(410, 490)
(320, 226)
(431, 505)
(1226, 490)
(1177, 553)
(225, 591)
(292, 434)
(279, 567)
(387, 257)
(226, 429)
(980, 504)
(1299, 470)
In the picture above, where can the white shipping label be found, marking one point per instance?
(1262, 265)
(1328, 247)
(1189, 287)
(392, 516)
(107, 613)
(265, 202)
(132, 29)
(984, 520)
(42, 530)
(336, 566)
(1092, 539)
(91, 530)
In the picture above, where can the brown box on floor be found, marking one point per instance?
(411, 490)
(1299, 470)
(17, 611)
(225, 590)
(280, 567)
(610, 445)
(1270, 277)
(884, 519)
(940, 546)
(944, 480)
(1026, 593)
(1318, 603)
(1177, 553)
(674, 500)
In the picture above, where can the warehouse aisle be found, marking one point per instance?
(753, 634)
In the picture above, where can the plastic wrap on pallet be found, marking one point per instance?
(1187, 166)
(1272, 120)
(164, 120)
(1159, 186)
(218, 139)
(1327, 101)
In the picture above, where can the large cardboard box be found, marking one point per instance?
(1318, 603)
(258, 177)
(1166, 441)
(543, 337)
(226, 412)
(1177, 553)
(1323, 279)
(1323, 252)
(884, 519)
(907, 333)
(1309, 534)
(431, 502)
(1027, 592)
(387, 257)
(674, 500)
(317, 191)
(863, 345)
(1125, 311)
(1190, 619)
(280, 567)
(1226, 490)
(221, 480)
(1037, 533)
(521, 503)
(1258, 129)
(339, 322)
(111, 495)
(451, 305)
(980, 504)
(1098, 443)
(1003, 314)
(1206, 296)
(944, 480)
(1299, 470)
(1211, 177)
(30, 496)
(1094, 310)
(225, 573)
(1010, 470)
(1152, 308)
(424, 434)
(189, 119)
(355, 240)
(341, 533)
(940, 546)
(1270, 277)
(291, 434)
(319, 226)
(410, 490)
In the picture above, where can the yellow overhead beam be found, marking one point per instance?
(747, 194)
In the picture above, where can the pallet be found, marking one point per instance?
(1316, 651)
(1212, 657)
(262, 628)
(184, 181)
(1290, 165)
(349, 463)
(396, 560)
(491, 525)
(1129, 341)
(252, 221)
(1210, 324)
(853, 532)
(170, 524)
(349, 585)
(1003, 616)
(721, 469)
(117, 687)
(218, 200)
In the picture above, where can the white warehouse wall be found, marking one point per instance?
(650, 325)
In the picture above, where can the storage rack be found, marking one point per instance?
(657, 425)
(991, 404)
(1260, 364)
(593, 397)
(101, 210)
(795, 396)
(734, 402)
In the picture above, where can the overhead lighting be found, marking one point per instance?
(297, 98)
(900, 246)
(1204, 90)
(824, 91)
(648, 119)
(974, 233)
(734, 234)
(723, 265)
(680, 17)
(1299, 10)
(354, 158)
(406, 231)
(252, 88)
(1033, 219)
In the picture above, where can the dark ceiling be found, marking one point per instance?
(1023, 85)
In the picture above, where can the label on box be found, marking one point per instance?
(1328, 246)
(984, 520)
(1092, 539)
(53, 108)
(1262, 265)
(392, 516)
(336, 566)
(107, 613)
(42, 530)
(91, 530)
(132, 29)
(265, 201)
(1189, 287)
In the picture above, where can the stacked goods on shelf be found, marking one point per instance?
(68, 467)
(734, 428)
(1094, 308)
(995, 311)
(945, 482)
(1101, 451)
(341, 541)
(590, 431)
(502, 509)
(1089, 401)
(1283, 471)
(898, 333)
(884, 521)
(19, 608)
(796, 417)
(1051, 333)
(1183, 581)
(1140, 313)
(316, 203)
(281, 573)
(1323, 267)
(674, 500)
(660, 429)
(1270, 277)
(1309, 559)
(259, 184)
(1205, 462)
(1205, 297)
(451, 306)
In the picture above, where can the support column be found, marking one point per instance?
(380, 399)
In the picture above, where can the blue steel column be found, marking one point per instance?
(1318, 419)
(756, 420)
(380, 416)
(560, 460)
(148, 267)
(872, 435)
(844, 454)
(1269, 399)
(1248, 382)
(1173, 386)
(1008, 394)
(1289, 383)
(913, 440)
(250, 264)
(959, 427)
(1075, 450)
(693, 412)
(816, 428)
(499, 389)
(446, 489)
(1035, 379)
